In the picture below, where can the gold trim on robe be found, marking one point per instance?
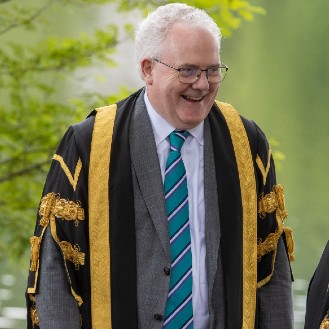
(249, 210)
(99, 230)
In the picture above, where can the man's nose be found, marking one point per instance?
(202, 81)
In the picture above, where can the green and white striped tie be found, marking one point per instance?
(179, 310)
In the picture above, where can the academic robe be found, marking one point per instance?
(88, 204)
(317, 306)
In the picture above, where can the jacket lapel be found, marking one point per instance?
(212, 211)
(145, 163)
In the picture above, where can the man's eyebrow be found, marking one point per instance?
(188, 65)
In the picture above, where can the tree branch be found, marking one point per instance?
(30, 19)
(23, 171)
(25, 153)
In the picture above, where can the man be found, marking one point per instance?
(162, 211)
(317, 306)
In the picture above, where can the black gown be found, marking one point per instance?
(317, 305)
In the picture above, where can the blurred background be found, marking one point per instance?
(59, 59)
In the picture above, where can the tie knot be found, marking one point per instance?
(177, 139)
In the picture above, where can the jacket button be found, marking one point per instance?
(166, 271)
(158, 317)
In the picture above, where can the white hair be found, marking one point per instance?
(154, 28)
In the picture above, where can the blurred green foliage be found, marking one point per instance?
(36, 64)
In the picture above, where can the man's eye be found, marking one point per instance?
(187, 72)
(213, 71)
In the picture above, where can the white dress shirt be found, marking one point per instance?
(192, 155)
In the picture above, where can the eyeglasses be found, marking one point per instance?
(214, 74)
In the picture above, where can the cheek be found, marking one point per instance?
(173, 89)
(213, 93)
(165, 77)
(213, 87)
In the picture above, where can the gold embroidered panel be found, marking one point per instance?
(273, 201)
(72, 253)
(270, 243)
(53, 205)
(249, 210)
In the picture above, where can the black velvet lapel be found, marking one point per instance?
(230, 210)
(122, 223)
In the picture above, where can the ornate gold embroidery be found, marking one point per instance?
(273, 201)
(267, 204)
(33, 311)
(52, 205)
(77, 298)
(290, 243)
(72, 254)
(32, 298)
(249, 208)
(261, 166)
(70, 211)
(35, 248)
(34, 316)
(270, 244)
(279, 191)
(268, 278)
(73, 180)
(325, 323)
(46, 208)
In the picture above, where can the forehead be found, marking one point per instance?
(190, 45)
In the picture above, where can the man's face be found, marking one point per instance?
(183, 105)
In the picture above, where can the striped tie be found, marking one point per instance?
(178, 313)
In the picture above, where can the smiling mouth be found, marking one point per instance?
(193, 99)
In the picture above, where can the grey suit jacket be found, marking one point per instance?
(57, 308)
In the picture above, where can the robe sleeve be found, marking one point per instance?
(275, 306)
(59, 247)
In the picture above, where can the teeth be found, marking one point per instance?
(194, 98)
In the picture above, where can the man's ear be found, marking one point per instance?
(146, 70)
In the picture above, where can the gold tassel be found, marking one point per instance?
(290, 244)
(325, 323)
(46, 208)
(34, 316)
(35, 247)
(279, 192)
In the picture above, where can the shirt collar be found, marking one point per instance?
(162, 128)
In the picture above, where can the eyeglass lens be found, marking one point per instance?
(190, 75)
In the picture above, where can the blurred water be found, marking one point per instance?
(12, 302)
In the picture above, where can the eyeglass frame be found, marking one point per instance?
(221, 66)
